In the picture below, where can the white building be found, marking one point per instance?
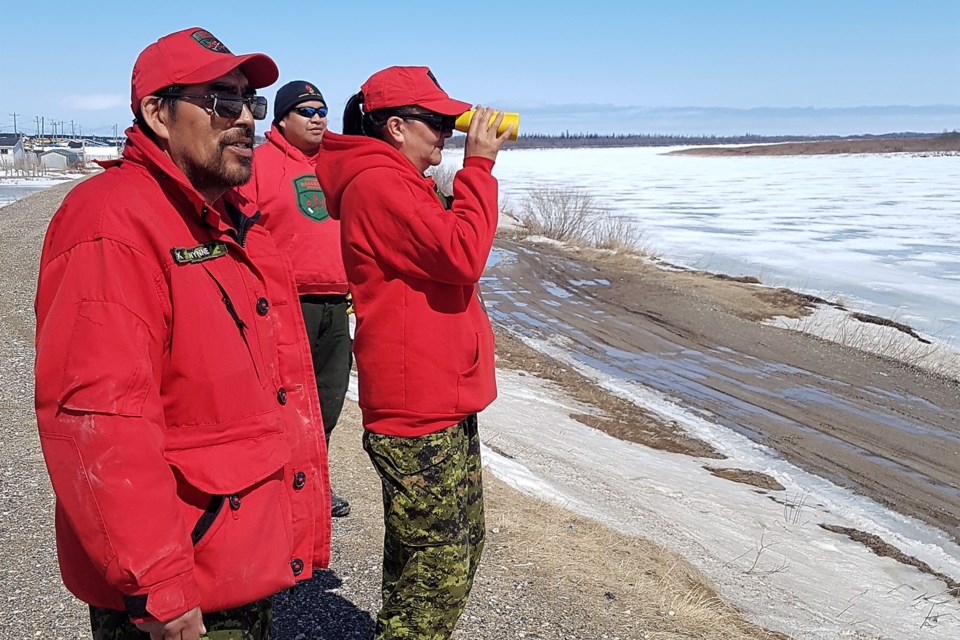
(11, 148)
(60, 159)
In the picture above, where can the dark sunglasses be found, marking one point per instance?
(309, 112)
(435, 121)
(228, 105)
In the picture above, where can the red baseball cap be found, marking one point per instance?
(193, 56)
(402, 86)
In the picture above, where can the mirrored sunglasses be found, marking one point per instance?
(309, 112)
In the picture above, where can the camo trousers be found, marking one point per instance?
(434, 528)
(249, 622)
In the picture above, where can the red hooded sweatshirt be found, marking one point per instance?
(175, 398)
(284, 188)
(423, 343)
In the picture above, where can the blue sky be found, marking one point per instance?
(683, 67)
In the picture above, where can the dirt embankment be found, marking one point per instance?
(943, 144)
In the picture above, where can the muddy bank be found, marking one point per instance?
(883, 429)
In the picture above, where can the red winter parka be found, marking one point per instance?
(284, 186)
(423, 343)
(175, 399)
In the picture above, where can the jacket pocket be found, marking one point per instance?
(219, 467)
(477, 385)
(205, 524)
(236, 508)
(246, 553)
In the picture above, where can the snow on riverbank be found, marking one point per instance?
(765, 553)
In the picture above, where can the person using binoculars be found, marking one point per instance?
(424, 345)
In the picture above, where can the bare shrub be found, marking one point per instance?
(566, 215)
(616, 233)
(27, 166)
(569, 215)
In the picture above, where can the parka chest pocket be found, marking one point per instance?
(217, 371)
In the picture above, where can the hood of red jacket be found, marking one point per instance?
(343, 158)
(275, 137)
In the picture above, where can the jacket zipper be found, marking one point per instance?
(237, 320)
(242, 223)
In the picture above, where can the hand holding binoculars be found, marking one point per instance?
(463, 122)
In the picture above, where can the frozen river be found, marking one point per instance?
(880, 232)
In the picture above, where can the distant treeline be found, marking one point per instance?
(577, 140)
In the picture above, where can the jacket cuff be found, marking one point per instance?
(478, 162)
(164, 601)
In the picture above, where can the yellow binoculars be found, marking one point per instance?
(463, 122)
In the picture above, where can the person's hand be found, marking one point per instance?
(482, 138)
(187, 626)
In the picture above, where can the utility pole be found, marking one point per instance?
(15, 123)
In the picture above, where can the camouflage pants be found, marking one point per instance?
(434, 528)
(250, 622)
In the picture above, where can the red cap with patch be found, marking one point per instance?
(193, 56)
(403, 86)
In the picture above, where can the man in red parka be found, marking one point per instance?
(177, 414)
(285, 189)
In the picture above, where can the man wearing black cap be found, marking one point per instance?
(285, 189)
(177, 415)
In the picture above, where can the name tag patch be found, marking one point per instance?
(207, 251)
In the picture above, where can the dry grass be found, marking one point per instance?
(946, 143)
(893, 340)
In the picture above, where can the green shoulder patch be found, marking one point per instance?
(310, 198)
(199, 253)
